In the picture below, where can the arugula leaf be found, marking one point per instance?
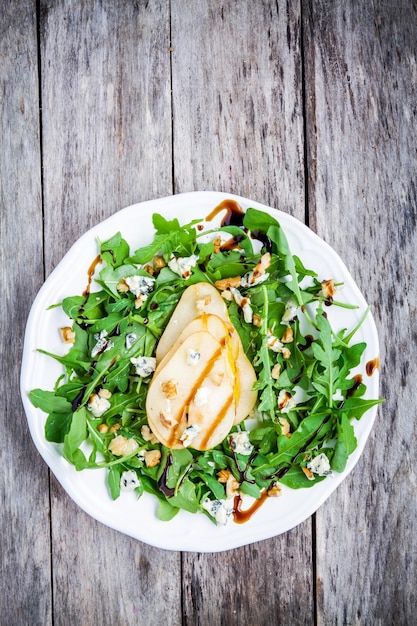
(49, 402)
(346, 443)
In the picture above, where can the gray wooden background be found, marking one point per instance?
(305, 105)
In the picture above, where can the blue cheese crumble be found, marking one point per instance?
(144, 365)
(221, 510)
(320, 465)
(193, 356)
(189, 434)
(140, 286)
(130, 340)
(102, 343)
(129, 481)
(98, 405)
(183, 265)
(239, 443)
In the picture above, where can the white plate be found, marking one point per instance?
(88, 488)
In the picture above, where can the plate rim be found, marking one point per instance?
(43, 447)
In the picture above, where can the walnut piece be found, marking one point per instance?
(68, 335)
(169, 389)
(225, 283)
(152, 458)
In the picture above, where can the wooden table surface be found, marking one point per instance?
(306, 105)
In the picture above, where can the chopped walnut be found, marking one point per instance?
(285, 425)
(275, 490)
(276, 371)
(225, 283)
(121, 446)
(288, 335)
(122, 287)
(223, 475)
(152, 458)
(159, 262)
(169, 388)
(115, 427)
(148, 268)
(328, 289)
(232, 485)
(68, 335)
(139, 300)
(257, 320)
(104, 393)
(308, 473)
(217, 243)
(217, 378)
(103, 428)
(147, 434)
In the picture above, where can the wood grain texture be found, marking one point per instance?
(284, 102)
(268, 582)
(237, 100)
(106, 112)
(361, 72)
(238, 127)
(106, 144)
(24, 497)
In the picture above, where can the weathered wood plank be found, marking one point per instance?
(238, 127)
(107, 113)
(361, 75)
(107, 143)
(237, 100)
(25, 536)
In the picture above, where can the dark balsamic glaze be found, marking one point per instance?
(162, 482)
(358, 381)
(372, 365)
(261, 236)
(86, 292)
(234, 213)
(239, 516)
(309, 340)
(78, 399)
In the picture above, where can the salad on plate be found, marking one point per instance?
(203, 368)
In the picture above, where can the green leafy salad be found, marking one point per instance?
(300, 428)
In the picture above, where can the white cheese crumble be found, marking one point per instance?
(286, 401)
(102, 343)
(221, 510)
(320, 465)
(290, 311)
(244, 303)
(144, 365)
(201, 397)
(250, 279)
(274, 344)
(183, 265)
(189, 434)
(97, 405)
(193, 356)
(140, 285)
(130, 340)
(129, 481)
(239, 442)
